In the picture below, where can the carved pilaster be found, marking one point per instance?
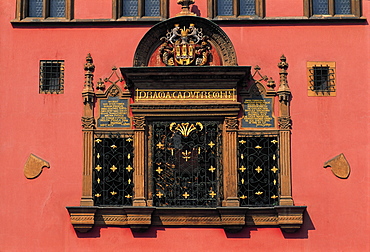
(285, 124)
(139, 161)
(88, 124)
(230, 162)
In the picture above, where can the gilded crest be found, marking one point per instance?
(185, 46)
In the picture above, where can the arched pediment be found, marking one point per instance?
(223, 51)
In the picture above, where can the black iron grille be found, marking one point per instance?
(113, 169)
(186, 163)
(51, 76)
(322, 79)
(258, 171)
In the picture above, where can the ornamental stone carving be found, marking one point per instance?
(185, 46)
(285, 122)
(88, 122)
(231, 123)
(139, 122)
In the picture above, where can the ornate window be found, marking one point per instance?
(140, 9)
(51, 76)
(321, 78)
(228, 9)
(332, 8)
(38, 10)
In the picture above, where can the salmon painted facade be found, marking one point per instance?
(158, 125)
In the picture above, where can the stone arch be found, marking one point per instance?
(151, 40)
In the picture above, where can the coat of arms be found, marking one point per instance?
(185, 46)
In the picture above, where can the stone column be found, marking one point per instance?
(88, 124)
(230, 162)
(285, 125)
(139, 161)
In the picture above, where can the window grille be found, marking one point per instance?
(258, 171)
(322, 79)
(186, 164)
(113, 169)
(51, 76)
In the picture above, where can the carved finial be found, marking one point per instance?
(284, 91)
(88, 91)
(271, 84)
(185, 8)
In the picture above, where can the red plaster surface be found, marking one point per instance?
(32, 212)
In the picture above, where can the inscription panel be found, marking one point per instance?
(114, 113)
(189, 95)
(258, 113)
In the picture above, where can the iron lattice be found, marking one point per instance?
(113, 169)
(186, 163)
(258, 171)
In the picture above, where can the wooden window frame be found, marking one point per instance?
(117, 11)
(22, 9)
(356, 9)
(332, 67)
(212, 11)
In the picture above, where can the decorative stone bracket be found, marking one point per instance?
(232, 219)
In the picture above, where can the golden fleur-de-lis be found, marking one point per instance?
(242, 141)
(113, 168)
(241, 156)
(98, 140)
(129, 168)
(242, 181)
(212, 169)
(113, 193)
(212, 194)
(129, 139)
(243, 197)
(113, 146)
(211, 144)
(98, 155)
(159, 194)
(97, 195)
(242, 168)
(98, 180)
(274, 141)
(274, 197)
(258, 169)
(128, 196)
(259, 193)
(186, 195)
(185, 128)
(98, 168)
(258, 147)
(129, 181)
(186, 155)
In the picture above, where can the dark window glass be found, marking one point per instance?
(152, 8)
(51, 76)
(258, 171)
(225, 7)
(35, 8)
(57, 8)
(247, 7)
(130, 8)
(321, 78)
(320, 7)
(343, 7)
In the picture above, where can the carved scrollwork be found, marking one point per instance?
(231, 123)
(285, 122)
(139, 122)
(88, 122)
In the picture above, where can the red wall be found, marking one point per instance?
(32, 212)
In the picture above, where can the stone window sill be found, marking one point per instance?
(232, 219)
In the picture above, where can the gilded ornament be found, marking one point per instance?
(242, 168)
(258, 169)
(186, 195)
(212, 169)
(113, 168)
(185, 128)
(129, 168)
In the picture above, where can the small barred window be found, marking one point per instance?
(321, 78)
(51, 76)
